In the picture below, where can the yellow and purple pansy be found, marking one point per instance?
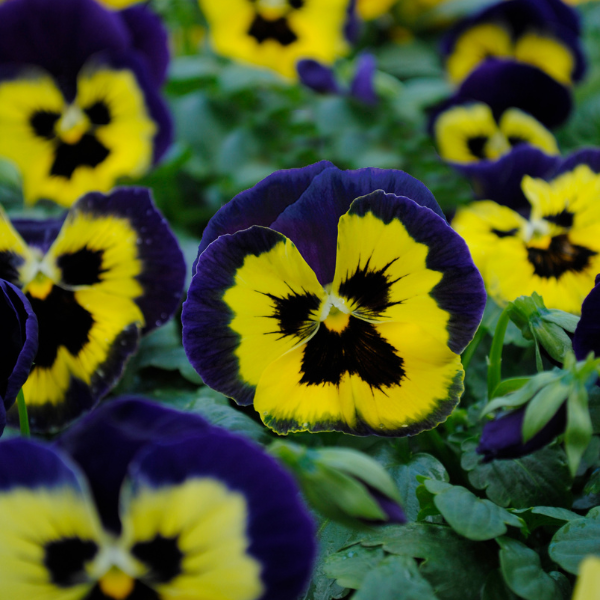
(500, 106)
(555, 251)
(334, 300)
(80, 104)
(19, 347)
(201, 513)
(278, 33)
(542, 33)
(96, 280)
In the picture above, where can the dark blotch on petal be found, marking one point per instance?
(83, 267)
(503, 234)
(369, 289)
(265, 29)
(62, 322)
(43, 123)
(292, 314)
(88, 152)
(358, 350)
(503, 437)
(560, 256)
(65, 560)
(562, 219)
(476, 146)
(162, 555)
(98, 113)
(9, 266)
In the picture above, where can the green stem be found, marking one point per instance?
(23, 418)
(468, 353)
(495, 358)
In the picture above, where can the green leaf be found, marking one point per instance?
(523, 573)
(455, 567)
(564, 320)
(508, 386)
(350, 566)
(495, 588)
(579, 427)
(468, 515)
(576, 540)
(543, 516)
(524, 394)
(404, 470)
(393, 574)
(331, 537)
(543, 407)
(426, 503)
(541, 478)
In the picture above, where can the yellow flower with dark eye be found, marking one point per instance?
(278, 33)
(468, 133)
(520, 30)
(555, 252)
(111, 271)
(347, 313)
(77, 115)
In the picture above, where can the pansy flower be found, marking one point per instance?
(345, 309)
(277, 33)
(110, 271)
(19, 344)
(202, 514)
(322, 79)
(555, 251)
(541, 33)
(79, 95)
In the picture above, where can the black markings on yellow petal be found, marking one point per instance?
(43, 123)
(369, 288)
(502, 234)
(278, 29)
(65, 560)
(560, 256)
(163, 557)
(562, 219)
(476, 146)
(9, 266)
(356, 350)
(98, 113)
(62, 322)
(82, 267)
(293, 312)
(87, 152)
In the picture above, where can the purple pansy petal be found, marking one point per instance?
(362, 87)
(209, 342)
(163, 266)
(460, 292)
(279, 530)
(551, 16)
(261, 204)
(585, 156)
(506, 83)
(312, 222)
(28, 464)
(587, 334)
(149, 37)
(130, 424)
(503, 437)
(20, 341)
(59, 36)
(500, 180)
(39, 234)
(317, 77)
(352, 26)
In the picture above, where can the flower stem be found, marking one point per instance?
(470, 350)
(495, 358)
(23, 418)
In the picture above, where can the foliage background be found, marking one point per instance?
(509, 529)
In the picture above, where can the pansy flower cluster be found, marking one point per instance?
(80, 103)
